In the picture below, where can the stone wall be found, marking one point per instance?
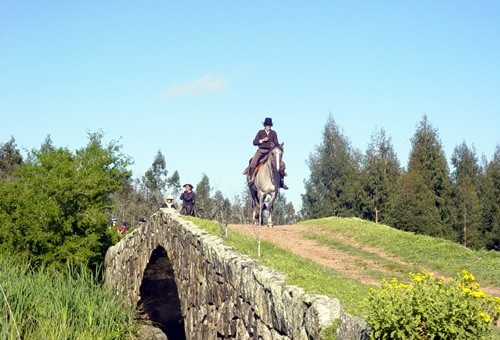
(195, 287)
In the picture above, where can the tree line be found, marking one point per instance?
(425, 198)
(56, 205)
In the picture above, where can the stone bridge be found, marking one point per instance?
(193, 286)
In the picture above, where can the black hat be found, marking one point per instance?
(185, 185)
(268, 121)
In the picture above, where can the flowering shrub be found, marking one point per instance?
(430, 308)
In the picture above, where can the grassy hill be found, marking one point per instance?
(378, 251)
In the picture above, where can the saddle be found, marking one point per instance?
(262, 161)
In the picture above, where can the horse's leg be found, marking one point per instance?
(255, 205)
(270, 208)
(261, 208)
(255, 215)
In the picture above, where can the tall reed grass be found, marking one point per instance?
(45, 303)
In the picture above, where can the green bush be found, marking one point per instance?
(55, 208)
(430, 308)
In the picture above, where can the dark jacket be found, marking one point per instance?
(188, 198)
(188, 201)
(273, 139)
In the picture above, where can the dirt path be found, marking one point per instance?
(292, 238)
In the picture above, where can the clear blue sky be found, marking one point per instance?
(195, 79)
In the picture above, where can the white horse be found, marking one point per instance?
(266, 183)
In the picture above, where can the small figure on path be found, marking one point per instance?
(169, 202)
(142, 220)
(188, 199)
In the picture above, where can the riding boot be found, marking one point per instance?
(282, 184)
(282, 179)
(250, 176)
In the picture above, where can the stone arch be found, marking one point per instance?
(159, 300)
(188, 281)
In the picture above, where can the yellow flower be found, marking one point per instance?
(477, 294)
(417, 278)
(467, 276)
(485, 317)
(403, 286)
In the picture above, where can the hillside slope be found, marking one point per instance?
(367, 264)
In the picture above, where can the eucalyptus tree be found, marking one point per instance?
(10, 157)
(490, 197)
(204, 202)
(242, 209)
(154, 180)
(381, 171)
(465, 179)
(222, 208)
(283, 212)
(131, 202)
(333, 187)
(428, 159)
(173, 182)
(412, 208)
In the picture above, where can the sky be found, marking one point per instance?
(196, 79)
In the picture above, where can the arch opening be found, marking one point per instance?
(159, 300)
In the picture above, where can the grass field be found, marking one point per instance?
(46, 304)
(365, 241)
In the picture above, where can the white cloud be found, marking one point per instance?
(206, 84)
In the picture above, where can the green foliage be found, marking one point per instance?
(334, 187)
(424, 199)
(241, 209)
(204, 203)
(427, 158)
(56, 208)
(490, 195)
(130, 203)
(380, 174)
(155, 181)
(173, 182)
(222, 208)
(466, 196)
(283, 212)
(10, 158)
(412, 208)
(428, 308)
(48, 304)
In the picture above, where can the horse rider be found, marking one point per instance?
(265, 140)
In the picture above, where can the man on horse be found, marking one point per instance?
(265, 140)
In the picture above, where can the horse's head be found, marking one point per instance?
(276, 154)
